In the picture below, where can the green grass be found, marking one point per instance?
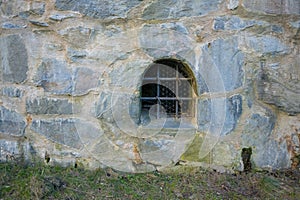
(41, 181)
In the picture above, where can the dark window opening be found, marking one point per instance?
(167, 89)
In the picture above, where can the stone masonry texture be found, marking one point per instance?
(71, 75)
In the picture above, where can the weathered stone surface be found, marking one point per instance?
(14, 59)
(224, 155)
(13, 7)
(9, 150)
(220, 66)
(48, 106)
(54, 77)
(78, 37)
(85, 79)
(169, 9)
(98, 8)
(38, 23)
(76, 55)
(62, 131)
(12, 92)
(22, 8)
(266, 45)
(36, 8)
(279, 84)
(233, 4)
(234, 110)
(129, 75)
(211, 117)
(272, 154)
(235, 49)
(204, 114)
(103, 107)
(165, 40)
(61, 17)
(266, 150)
(258, 129)
(10, 25)
(234, 23)
(273, 6)
(295, 24)
(11, 123)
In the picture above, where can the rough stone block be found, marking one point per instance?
(220, 66)
(76, 55)
(9, 150)
(267, 151)
(219, 116)
(273, 6)
(10, 25)
(54, 77)
(169, 9)
(13, 7)
(280, 85)
(295, 24)
(165, 40)
(78, 37)
(14, 59)
(36, 8)
(233, 4)
(45, 105)
(265, 45)
(11, 123)
(12, 92)
(234, 23)
(98, 8)
(85, 79)
(272, 154)
(258, 129)
(62, 131)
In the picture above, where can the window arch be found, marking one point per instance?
(168, 84)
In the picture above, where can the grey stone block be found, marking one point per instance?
(295, 24)
(62, 131)
(14, 59)
(272, 154)
(98, 8)
(234, 23)
(84, 80)
(11, 123)
(265, 45)
(36, 9)
(54, 77)
(167, 39)
(221, 115)
(169, 9)
(275, 87)
(258, 129)
(76, 55)
(9, 150)
(10, 25)
(45, 105)
(221, 66)
(61, 17)
(273, 6)
(12, 92)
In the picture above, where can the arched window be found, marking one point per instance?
(169, 85)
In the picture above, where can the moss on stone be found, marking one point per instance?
(192, 153)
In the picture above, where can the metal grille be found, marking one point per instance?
(169, 85)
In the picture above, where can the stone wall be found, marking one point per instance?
(71, 72)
